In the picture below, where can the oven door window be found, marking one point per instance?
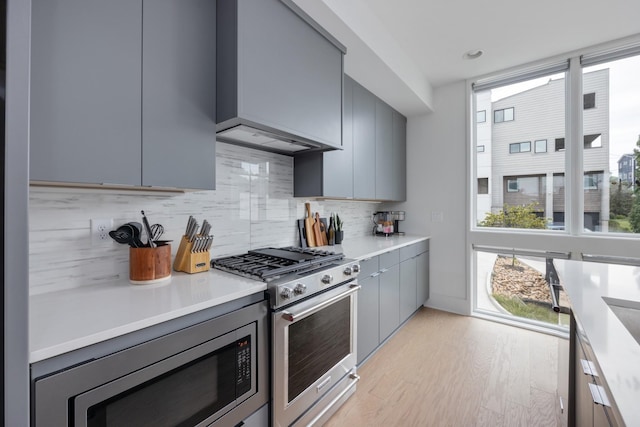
(317, 343)
(183, 396)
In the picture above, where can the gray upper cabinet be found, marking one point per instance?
(364, 143)
(329, 174)
(372, 164)
(399, 163)
(384, 149)
(178, 94)
(85, 91)
(278, 72)
(119, 96)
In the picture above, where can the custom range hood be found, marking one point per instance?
(279, 78)
(277, 142)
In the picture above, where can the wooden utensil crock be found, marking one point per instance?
(149, 265)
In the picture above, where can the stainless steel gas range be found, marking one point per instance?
(313, 299)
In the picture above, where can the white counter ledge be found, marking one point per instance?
(616, 351)
(67, 320)
(370, 246)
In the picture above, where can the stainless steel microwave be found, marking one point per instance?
(211, 373)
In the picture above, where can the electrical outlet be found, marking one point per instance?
(100, 230)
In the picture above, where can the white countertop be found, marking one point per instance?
(369, 246)
(71, 319)
(67, 320)
(616, 351)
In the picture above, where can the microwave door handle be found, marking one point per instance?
(292, 317)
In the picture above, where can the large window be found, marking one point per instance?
(611, 128)
(582, 185)
(520, 180)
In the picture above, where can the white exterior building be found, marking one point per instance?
(524, 134)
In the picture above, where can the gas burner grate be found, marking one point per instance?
(270, 263)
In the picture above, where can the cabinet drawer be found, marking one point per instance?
(422, 247)
(407, 252)
(368, 267)
(389, 259)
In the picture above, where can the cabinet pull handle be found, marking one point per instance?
(588, 367)
(598, 395)
(384, 270)
(376, 274)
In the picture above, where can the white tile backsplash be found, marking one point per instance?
(252, 207)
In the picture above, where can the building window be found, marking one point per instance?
(480, 148)
(483, 185)
(591, 181)
(481, 116)
(559, 144)
(512, 185)
(540, 146)
(593, 141)
(520, 147)
(504, 115)
(589, 100)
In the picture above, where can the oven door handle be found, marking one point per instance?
(292, 317)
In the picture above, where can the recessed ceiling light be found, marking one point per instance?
(473, 54)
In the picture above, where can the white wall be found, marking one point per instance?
(437, 183)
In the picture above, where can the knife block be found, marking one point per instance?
(190, 262)
(149, 265)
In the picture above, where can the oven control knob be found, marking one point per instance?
(327, 278)
(286, 293)
(356, 268)
(300, 289)
(347, 271)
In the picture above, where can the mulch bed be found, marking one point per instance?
(519, 280)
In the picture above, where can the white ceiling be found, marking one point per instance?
(402, 49)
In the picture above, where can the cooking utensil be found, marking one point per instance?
(303, 237)
(147, 228)
(137, 232)
(308, 226)
(124, 234)
(323, 231)
(317, 236)
(157, 230)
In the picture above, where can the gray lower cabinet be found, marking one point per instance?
(389, 301)
(394, 285)
(408, 288)
(368, 308)
(389, 293)
(414, 278)
(85, 91)
(122, 95)
(329, 174)
(178, 94)
(422, 278)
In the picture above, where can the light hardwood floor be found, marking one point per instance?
(442, 369)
